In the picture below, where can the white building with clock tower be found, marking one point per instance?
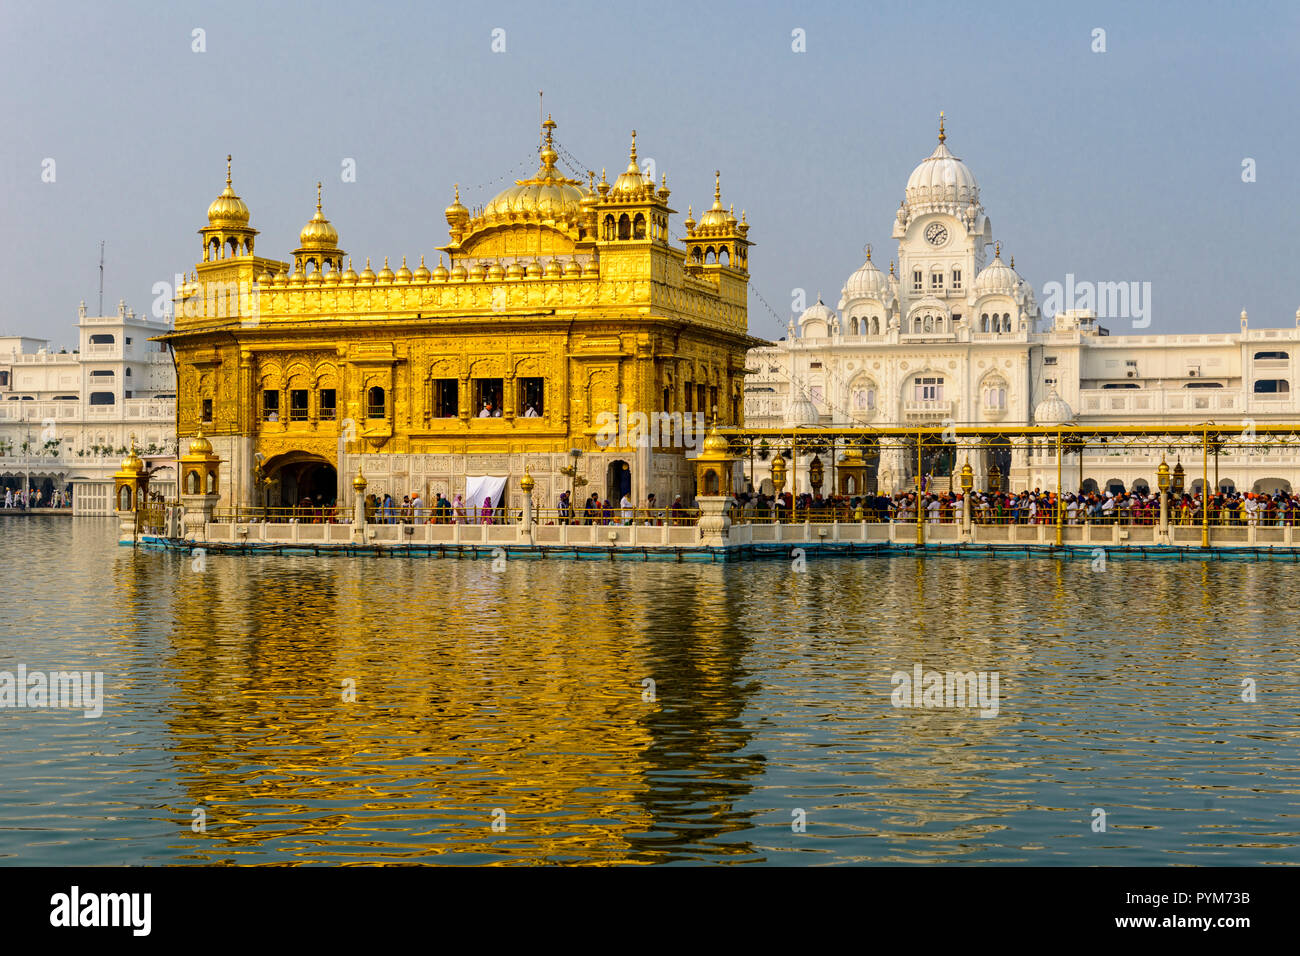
(949, 335)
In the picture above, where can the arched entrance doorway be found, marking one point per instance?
(297, 475)
(618, 481)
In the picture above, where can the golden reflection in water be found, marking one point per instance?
(518, 696)
(523, 691)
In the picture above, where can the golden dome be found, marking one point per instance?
(359, 482)
(385, 274)
(131, 464)
(422, 274)
(439, 273)
(553, 270)
(457, 215)
(403, 274)
(200, 445)
(458, 273)
(495, 271)
(350, 275)
(526, 483)
(228, 209)
(318, 233)
(631, 183)
(716, 444)
(689, 222)
(515, 270)
(548, 196)
(714, 220)
(476, 272)
(571, 268)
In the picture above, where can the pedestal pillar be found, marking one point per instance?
(714, 527)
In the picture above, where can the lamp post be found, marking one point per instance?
(1163, 483)
(967, 486)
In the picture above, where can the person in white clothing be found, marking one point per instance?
(629, 509)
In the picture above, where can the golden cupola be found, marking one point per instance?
(457, 215)
(714, 220)
(227, 234)
(228, 209)
(719, 239)
(318, 243)
(631, 184)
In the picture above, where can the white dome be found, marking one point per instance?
(802, 412)
(942, 178)
(1053, 410)
(817, 312)
(998, 278)
(867, 283)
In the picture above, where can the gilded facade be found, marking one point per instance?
(558, 303)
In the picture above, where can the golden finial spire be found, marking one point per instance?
(997, 250)
(868, 252)
(891, 267)
(942, 134)
(385, 262)
(456, 189)
(632, 155)
(546, 129)
(404, 261)
(1013, 262)
(603, 180)
(228, 157)
(422, 260)
(717, 189)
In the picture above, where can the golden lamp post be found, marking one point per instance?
(967, 486)
(1163, 483)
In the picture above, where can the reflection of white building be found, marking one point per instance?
(66, 417)
(950, 337)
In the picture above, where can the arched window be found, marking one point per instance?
(1271, 356)
(724, 257)
(1006, 321)
(609, 228)
(1272, 386)
(984, 322)
(638, 227)
(624, 227)
(375, 402)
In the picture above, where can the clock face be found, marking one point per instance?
(936, 234)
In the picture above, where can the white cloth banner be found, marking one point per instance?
(479, 488)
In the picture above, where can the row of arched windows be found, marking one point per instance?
(995, 322)
(866, 325)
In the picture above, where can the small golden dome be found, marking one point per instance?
(359, 482)
(476, 272)
(458, 273)
(331, 277)
(200, 445)
(228, 209)
(318, 233)
(716, 444)
(526, 483)
(403, 274)
(349, 275)
(385, 274)
(553, 270)
(631, 183)
(281, 278)
(495, 271)
(367, 275)
(689, 222)
(714, 219)
(457, 215)
(592, 268)
(515, 270)
(297, 278)
(571, 268)
(422, 274)
(534, 270)
(440, 273)
(131, 464)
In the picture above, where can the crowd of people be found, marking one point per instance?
(1025, 507)
(21, 499)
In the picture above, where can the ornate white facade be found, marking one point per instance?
(66, 417)
(948, 337)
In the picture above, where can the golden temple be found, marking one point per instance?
(561, 305)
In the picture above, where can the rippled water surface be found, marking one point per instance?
(522, 697)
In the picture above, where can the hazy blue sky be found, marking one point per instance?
(1123, 165)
